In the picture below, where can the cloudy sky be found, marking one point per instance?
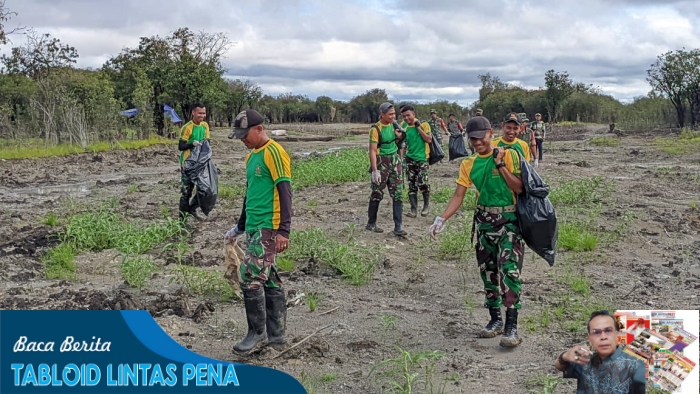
(414, 49)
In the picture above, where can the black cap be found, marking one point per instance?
(450, 115)
(385, 107)
(477, 127)
(244, 121)
(513, 117)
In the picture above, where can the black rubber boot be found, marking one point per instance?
(510, 336)
(426, 204)
(398, 218)
(276, 308)
(413, 199)
(255, 314)
(495, 326)
(372, 217)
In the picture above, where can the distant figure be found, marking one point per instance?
(192, 134)
(437, 126)
(538, 127)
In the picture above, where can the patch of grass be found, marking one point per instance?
(105, 229)
(455, 241)
(132, 189)
(328, 377)
(355, 263)
(568, 123)
(36, 149)
(576, 237)
(51, 219)
(577, 311)
(442, 195)
(574, 277)
(688, 141)
(538, 322)
(605, 141)
(312, 300)
(202, 282)
(411, 372)
(581, 191)
(388, 323)
(231, 192)
(136, 270)
(347, 165)
(58, 262)
(543, 383)
(285, 264)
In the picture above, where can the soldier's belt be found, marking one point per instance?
(496, 210)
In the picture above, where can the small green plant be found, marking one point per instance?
(285, 264)
(455, 242)
(694, 205)
(605, 141)
(136, 270)
(442, 195)
(231, 192)
(581, 192)
(309, 382)
(132, 189)
(199, 281)
(576, 237)
(328, 377)
(543, 383)
(404, 372)
(312, 300)
(347, 165)
(388, 323)
(538, 322)
(59, 262)
(469, 304)
(51, 219)
(313, 203)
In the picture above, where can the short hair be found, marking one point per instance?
(407, 107)
(196, 105)
(600, 313)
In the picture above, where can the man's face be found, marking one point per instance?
(603, 335)
(510, 131)
(389, 116)
(452, 118)
(253, 139)
(433, 115)
(199, 114)
(482, 146)
(538, 118)
(409, 117)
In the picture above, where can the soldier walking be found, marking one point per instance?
(418, 140)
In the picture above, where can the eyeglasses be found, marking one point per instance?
(596, 332)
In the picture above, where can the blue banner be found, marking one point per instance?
(115, 352)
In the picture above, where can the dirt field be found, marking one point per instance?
(639, 219)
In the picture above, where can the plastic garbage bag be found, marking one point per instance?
(536, 215)
(436, 152)
(457, 147)
(200, 169)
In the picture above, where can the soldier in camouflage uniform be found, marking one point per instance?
(418, 140)
(265, 222)
(437, 126)
(386, 168)
(540, 130)
(499, 247)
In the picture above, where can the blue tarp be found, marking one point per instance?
(168, 111)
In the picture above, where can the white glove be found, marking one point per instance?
(436, 227)
(232, 233)
(536, 164)
(196, 143)
(376, 177)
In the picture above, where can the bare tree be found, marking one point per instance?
(6, 15)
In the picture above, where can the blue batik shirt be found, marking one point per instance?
(620, 373)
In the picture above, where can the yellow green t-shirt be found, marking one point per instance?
(265, 167)
(388, 141)
(519, 145)
(416, 148)
(191, 132)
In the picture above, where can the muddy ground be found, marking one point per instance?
(415, 300)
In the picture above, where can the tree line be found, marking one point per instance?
(43, 95)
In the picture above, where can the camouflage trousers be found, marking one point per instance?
(258, 268)
(391, 169)
(499, 253)
(417, 176)
(186, 194)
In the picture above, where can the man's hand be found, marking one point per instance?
(578, 354)
(282, 243)
(436, 227)
(417, 123)
(196, 143)
(499, 155)
(232, 233)
(536, 164)
(376, 177)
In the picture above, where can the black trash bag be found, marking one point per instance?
(436, 152)
(200, 169)
(457, 147)
(536, 216)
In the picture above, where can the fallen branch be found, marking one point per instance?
(302, 341)
(328, 311)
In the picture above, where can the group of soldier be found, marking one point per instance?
(492, 168)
